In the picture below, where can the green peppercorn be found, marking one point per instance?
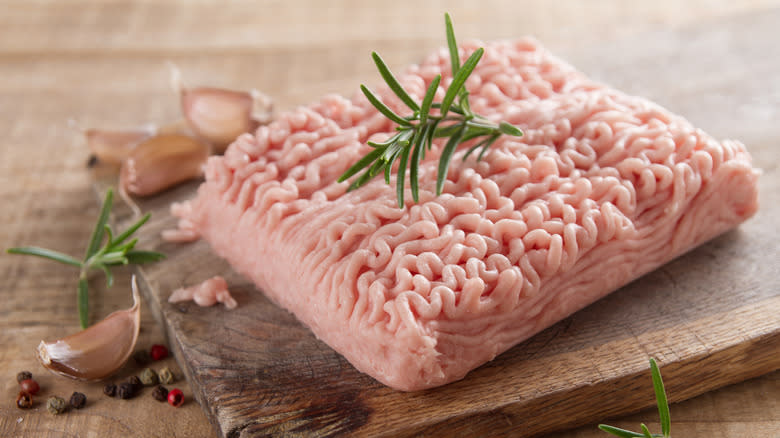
(149, 377)
(22, 376)
(160, 393)
(78, 400)
(56, 405)
(126, 390)
(166, 376)
(110, 390)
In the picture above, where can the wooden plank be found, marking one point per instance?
(710, 317)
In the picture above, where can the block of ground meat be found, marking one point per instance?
(602, 188)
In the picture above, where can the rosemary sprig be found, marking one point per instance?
(663, 411)
(115, 251)
(415, 132)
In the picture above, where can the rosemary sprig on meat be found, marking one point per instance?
(451, 118)
(663, 411)
(115, 251)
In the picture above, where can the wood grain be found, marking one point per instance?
(709, 317)
(103, 63)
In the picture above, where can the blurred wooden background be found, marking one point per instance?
(103, 64)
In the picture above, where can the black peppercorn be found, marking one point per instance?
(92, 161)
(160, 393)
(126, 390)
(22, 376)
(56, 405)
(136, 382)
(78, 400)
(110, 390)
(25, 401)
(142, 357)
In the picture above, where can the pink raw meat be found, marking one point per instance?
(603, 188)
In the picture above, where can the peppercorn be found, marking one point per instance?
(22, 376)
(110, 390)
(159, 352)
(24, 400)
(175, 398)
(166, 376)
(149, 377)
(142, 357)
(56, 405)
(126, 390)
(136, 382)
(160, 393)
(30, 386)
(78, 400)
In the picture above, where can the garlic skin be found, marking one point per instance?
(161, 162)
(98, 351)
(112, 147)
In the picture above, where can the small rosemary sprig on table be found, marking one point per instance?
(415, 132)
(115, 251)
(663, 411)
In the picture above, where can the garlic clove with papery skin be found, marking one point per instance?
(112, 147)
(161, 162)
(218, 115)
(98, 351)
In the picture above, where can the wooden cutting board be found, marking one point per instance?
(710, 317)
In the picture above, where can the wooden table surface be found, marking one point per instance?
(103, 64)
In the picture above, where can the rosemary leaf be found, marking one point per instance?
(646, 431)
(132, 229)
(459, 80)
(419, 144)
(486, 146)
(475, 147)
(393, 83)
(387, 112)
(509, 129)
(109, 276)
(660, 396)
(45, 253)
(623, 433)
(97, 234)
(138, 257)
(446, 156)
(452, 44)
(360, 181)
(401, 177)
(365, 161)
(428, 99)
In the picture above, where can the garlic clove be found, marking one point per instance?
(218, 115)
(98, 351)
(112, 147)
(161, 162)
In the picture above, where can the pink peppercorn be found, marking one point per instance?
(158, 352)
(175, 398)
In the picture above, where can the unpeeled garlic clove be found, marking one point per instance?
(218, 115)
(112, 147)
(161, 162)
(98, 351)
